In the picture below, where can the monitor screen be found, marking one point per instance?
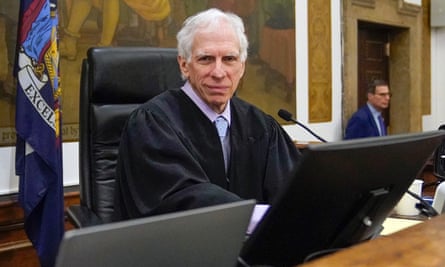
(340, 195)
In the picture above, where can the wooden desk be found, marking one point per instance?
(420, 245)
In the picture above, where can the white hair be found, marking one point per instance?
(211, 18)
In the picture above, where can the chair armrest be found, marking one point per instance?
(81, 216)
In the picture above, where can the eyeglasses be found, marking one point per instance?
(384, 94)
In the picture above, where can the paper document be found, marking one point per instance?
(257, 215)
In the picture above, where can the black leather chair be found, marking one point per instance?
(114, 81)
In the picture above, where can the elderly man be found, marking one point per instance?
(175, 155)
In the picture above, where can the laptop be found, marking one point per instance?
(210, 236)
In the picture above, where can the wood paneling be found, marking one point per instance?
(15, 247)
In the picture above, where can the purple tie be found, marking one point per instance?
(382, 126)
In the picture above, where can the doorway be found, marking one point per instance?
(373, 59)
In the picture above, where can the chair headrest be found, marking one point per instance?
(131, 74)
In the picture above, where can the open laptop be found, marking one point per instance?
(210, 236)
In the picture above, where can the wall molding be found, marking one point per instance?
(364, 3)
(409, 8)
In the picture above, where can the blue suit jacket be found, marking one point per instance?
(361, 124)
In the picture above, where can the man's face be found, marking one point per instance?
(215, 68)
(380, 99)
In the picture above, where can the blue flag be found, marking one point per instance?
(38, 125)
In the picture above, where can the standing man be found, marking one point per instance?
(174, 155)
(368, 120)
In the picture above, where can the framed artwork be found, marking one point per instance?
(269, 81)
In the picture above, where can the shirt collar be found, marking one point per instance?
(374, 111)
(212, 115)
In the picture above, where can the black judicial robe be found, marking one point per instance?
(170, 158)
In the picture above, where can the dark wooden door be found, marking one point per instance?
(373, 59)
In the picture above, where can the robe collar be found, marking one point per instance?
(210, 114)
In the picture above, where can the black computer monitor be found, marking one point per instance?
(339, 196)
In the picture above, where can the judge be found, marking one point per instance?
(172, 156)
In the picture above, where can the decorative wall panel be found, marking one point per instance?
(320, 67)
